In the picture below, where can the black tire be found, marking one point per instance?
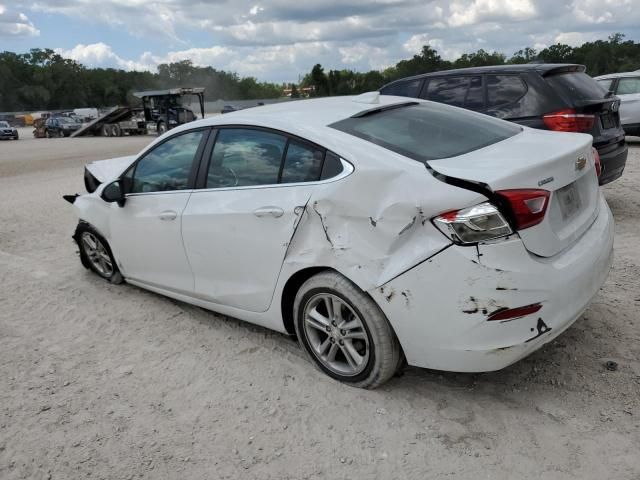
(115, 130)
(162, 128)
(17, 137)
(47, 133)
(384, 351)
(105, 131)
(83, 232)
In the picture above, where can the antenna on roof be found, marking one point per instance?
(369, 97)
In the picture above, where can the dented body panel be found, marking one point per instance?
(439, 309)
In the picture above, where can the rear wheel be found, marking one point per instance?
(106, 130)
(162, 127)
(115, 130)
(344, 332)
(95, 253)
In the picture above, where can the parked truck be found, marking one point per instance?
(161, 110)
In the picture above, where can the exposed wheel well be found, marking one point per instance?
(289, 294)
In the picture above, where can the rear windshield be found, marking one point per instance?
(428, 131)
(577, 86)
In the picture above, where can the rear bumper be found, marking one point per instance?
(439, 309)
(613, 158)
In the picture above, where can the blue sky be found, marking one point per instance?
(279, 40)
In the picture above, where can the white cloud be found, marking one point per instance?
(278, 40)
(102, 55)
(15, 24)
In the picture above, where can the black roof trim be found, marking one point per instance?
(542, 68)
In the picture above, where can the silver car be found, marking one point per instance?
(627, 87)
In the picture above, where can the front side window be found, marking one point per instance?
(244, 157)
(166, 167)
(627, 86)
(504, 89)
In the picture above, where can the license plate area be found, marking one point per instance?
(569, 200)
(608, 120)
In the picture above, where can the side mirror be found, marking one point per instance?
(113, 193)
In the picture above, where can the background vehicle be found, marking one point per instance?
(116, 122)
(376, 219)
(626, 86)
(166, 109)
(560, 97)
(228, 109)
(60, 126)
(7, 131)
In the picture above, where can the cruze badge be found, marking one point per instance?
(545, 181)
(581, 163)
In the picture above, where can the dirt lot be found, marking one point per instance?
(104, 381)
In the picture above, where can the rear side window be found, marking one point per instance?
(464, 91)
(504, 89)
(627, 86)
(303, 163)
(244, 157)
(576, 85)
(428, 132)
(449, 90)
(410, 88)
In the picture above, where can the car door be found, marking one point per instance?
(236, 229)
(145, 232)
(628, 90)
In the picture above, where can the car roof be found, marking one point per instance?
(542, 68)
(618, 75)
(317, 112)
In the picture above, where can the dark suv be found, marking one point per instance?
(61, 126)
(549, 96)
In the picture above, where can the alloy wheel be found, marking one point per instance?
(336, 334)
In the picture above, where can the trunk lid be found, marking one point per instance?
(561, 163)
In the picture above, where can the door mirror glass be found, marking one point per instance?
(113, 193)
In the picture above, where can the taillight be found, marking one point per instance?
(596, 159)
(475, 224)
(569, 121)
(527, 205)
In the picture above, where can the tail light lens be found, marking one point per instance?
(569, 121)
(528, 206)
(596, 159)
(475, 224)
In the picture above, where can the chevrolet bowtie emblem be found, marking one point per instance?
(581, 162)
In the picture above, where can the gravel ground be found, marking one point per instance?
(105, 381)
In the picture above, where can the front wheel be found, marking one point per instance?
(95, 253)
(162, 127)
(344, 332)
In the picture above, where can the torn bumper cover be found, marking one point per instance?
(440, 308)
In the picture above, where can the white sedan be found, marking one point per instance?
(379, 230)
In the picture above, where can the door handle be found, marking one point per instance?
(268, 212)
(168, 215)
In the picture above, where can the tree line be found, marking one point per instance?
(601, 56)
(43, 80)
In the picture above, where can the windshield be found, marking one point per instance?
(66, 120)
(428, 131)
(4, 125)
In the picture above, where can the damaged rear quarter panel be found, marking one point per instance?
(374, 224)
